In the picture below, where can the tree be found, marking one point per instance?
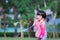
(21, 26)
(54, 15)
(54, 18)
(45, 4)
(4, 23)
(16, 20)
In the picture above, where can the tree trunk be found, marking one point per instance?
(39, 6)
(4, 30)
(16, 34)
(54, 18)
(54, 15)
(4, 25)
(54, 26)
(21, 26)
(54, 29)
(0, 21)
(45, 3)
(28, 29)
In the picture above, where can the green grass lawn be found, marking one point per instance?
(12, 38)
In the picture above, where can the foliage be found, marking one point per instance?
(26, 7)
(58, 26)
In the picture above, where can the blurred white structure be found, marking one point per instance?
(35, 13)
(12, 16)
(48, 12)
(0, 9)
(15, 24)
(11, 10)
(6, 1)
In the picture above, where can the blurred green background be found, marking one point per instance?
(18, 15)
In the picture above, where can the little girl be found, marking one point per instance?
(39, 23)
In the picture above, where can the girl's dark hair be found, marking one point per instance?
(43, 14)
(47, 19)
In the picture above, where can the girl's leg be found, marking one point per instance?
(38, 38)
(45, 37)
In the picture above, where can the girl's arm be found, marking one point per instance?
(43, 29)
(32, 25)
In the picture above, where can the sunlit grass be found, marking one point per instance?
(18, 38)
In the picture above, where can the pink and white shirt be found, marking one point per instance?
(41, 29)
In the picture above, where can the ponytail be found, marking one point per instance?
(47, 19)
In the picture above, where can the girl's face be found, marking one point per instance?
(39, 17)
